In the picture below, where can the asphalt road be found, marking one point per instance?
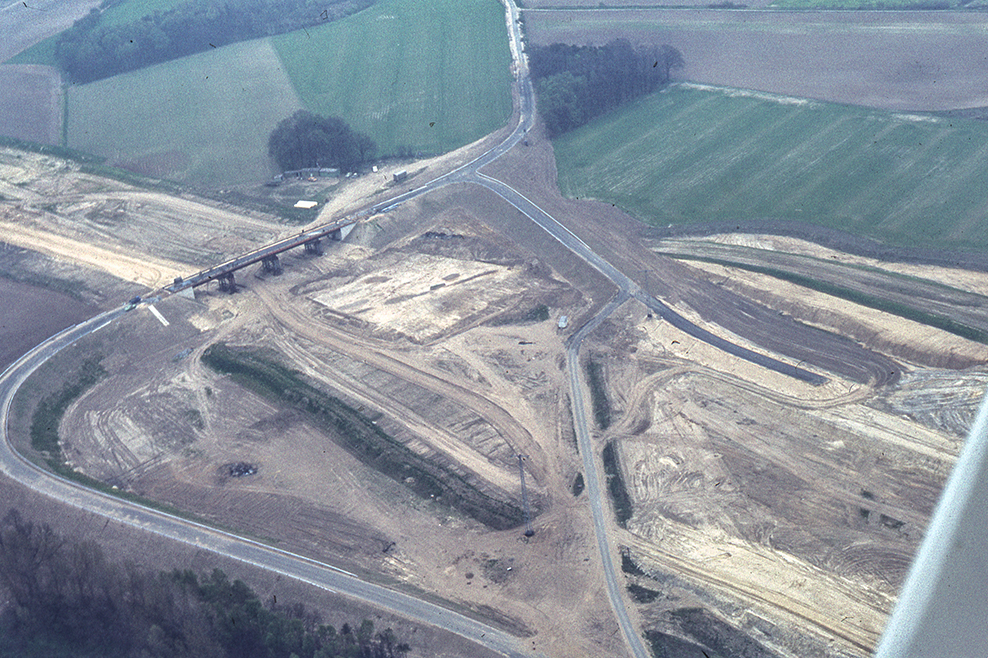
(592, 479)
(67, 492)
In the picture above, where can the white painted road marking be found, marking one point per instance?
(158, 315)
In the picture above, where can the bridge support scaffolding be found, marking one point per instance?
(226, 283)
(313, 247)
(271, 265)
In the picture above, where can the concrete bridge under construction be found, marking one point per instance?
(310, 241)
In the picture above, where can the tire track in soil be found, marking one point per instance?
(509, 428)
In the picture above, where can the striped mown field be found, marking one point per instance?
(431, 76)
(694, 154)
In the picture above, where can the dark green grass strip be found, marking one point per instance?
(864, 299)
(642, 594)
(49, 149)
(50, 410)
(360, 436)
(598, 395)
(615, 485)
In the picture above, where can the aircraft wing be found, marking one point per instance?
(943, 606)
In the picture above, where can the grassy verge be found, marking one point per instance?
(50, 410)
(615, 485)
(598, 395)
(360, 436)
(642, 594)
(864, 299)
(696, 155)
(578, 485)
(47, 149)
(628, 564)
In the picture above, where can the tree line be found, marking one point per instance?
(90, 50)
(311, 140)
(578, 83)
(64, 598)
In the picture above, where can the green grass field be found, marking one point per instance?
(433, 75)
(692, 154)
(203, 119)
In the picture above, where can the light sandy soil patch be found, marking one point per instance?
(894, 60)
(134, 234)
(802, 506)
(969, 280)
(945, 400)
(142, 269)
(31, 103)
(421, 295)
(891, 334)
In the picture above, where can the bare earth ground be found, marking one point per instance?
(33, 314)
(31, 103)
(786, 511)
(894, 60)
(445, 389)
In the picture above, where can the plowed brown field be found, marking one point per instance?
(895, 60)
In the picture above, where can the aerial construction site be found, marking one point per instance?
(584, 434)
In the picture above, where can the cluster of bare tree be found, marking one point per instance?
(64, 598)
(578, 83)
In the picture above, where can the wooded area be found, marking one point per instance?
(310, 140)
(91, 51)
(578, 83)
(63, 598)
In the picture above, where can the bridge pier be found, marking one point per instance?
(313, 247)
(271, 265)
(226, 283)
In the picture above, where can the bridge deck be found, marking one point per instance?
(253, 257)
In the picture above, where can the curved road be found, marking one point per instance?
(321, 575)
(16, 467)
